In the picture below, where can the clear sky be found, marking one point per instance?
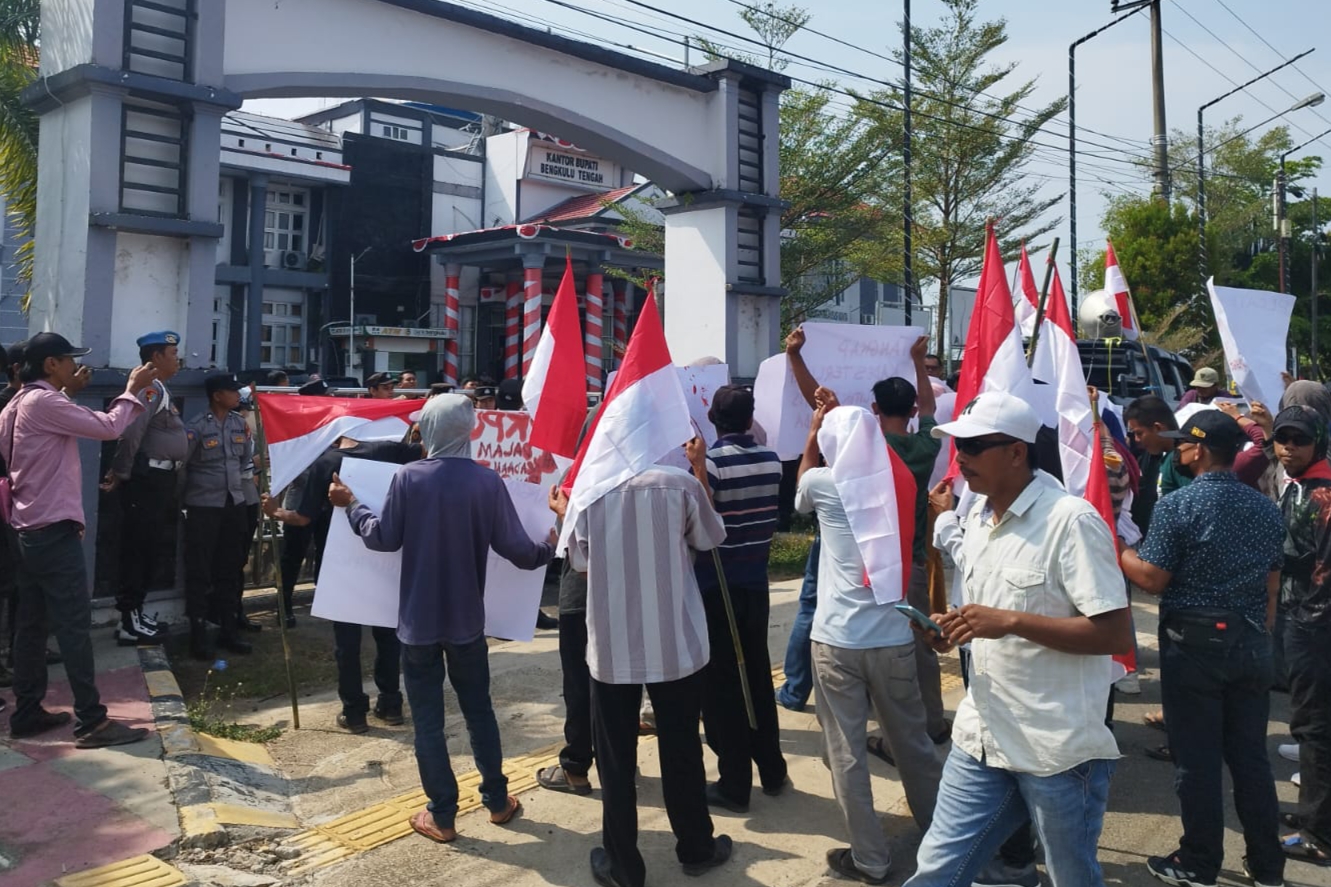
(1209, 47)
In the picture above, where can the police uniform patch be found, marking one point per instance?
(239, 438)
(150, 395)
(190, 434)
(210, 443)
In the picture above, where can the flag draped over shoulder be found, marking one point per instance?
(877, 491)
(555, 390)
(298, 429)
(1117, 287)
(644, 416)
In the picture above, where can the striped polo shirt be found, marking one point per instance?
(745, 480)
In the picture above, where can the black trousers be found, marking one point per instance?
(1308, 652)
(296, 544)
(736, 745)
(9, 564)
(54, 597)
(214, 545)
(387, 668)
(678, 705)
(145, 505)
(577, 754)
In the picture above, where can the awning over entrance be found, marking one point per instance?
(510, 244)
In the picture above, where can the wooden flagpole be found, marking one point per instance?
(268, 523)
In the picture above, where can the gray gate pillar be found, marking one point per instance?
(723, 246)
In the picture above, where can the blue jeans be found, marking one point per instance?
(980, 806)
(467, 667)
(794, 694)
(1216, 696)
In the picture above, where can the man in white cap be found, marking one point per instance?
(1045, 611)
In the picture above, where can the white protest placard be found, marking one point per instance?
(700, 383)
(846, 358)
(362, 587)
(355, 584)
(1254, 327)
(500, 441)
(513, 596)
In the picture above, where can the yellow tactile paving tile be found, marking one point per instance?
(141, 871)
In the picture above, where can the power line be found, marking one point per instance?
(879, 55)
(1249, 63)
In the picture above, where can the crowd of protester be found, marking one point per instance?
(1221, 510)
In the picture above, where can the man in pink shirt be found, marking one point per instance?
(39, 435)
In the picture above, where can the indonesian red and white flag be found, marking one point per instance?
(555, 390)
(994, 358)
(1058, 365)
(1026, 305)
(1117, 286)
(298, 429)
(643, 417)
(1097, 493)
(877, 493)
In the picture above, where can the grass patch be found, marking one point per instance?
(790, 552)
(211, 713)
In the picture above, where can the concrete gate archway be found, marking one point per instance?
(132, 94)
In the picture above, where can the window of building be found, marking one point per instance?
(282, 339)
(399, 133)
(284, 221)
(221, 331)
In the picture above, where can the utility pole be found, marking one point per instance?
(351, 336)
(1312, 292)
(907, 265)
(1161, 138)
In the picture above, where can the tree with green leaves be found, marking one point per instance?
(972, 140)
(20, 22)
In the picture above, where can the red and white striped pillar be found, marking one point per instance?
(512, 328)
(452, 273)
(621, 315)
(531, 310)
(595, 329)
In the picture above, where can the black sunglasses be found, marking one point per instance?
(1294, 440)
(974, 446)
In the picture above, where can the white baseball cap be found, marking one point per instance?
(994, 412)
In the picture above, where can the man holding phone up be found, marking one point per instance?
(1046, 610)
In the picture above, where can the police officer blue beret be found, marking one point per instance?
(162, 337)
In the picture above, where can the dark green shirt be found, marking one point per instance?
(919, 451)
(1171, 478)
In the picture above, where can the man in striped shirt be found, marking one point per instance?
(744, 479)
(646, 625)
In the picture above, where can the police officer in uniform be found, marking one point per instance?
(150, 453)
(219, 447)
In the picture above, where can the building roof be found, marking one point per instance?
(584, 206)
(510, 243)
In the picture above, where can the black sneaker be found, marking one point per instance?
(720, 854)
(389, 714)
(717, 798)
(353, 725)
(1170, 870)
(602, 870)
(40, 723)
(134, 631)
(843, 863)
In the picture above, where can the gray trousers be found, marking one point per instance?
(849, 682)
(926, 660)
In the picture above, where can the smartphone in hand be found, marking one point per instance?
(920, 619)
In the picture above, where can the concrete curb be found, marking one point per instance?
(215, 783)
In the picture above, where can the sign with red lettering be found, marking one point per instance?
(500, 441)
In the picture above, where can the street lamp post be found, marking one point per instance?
(1072, 143)
(1282, 225)
(1311, 101)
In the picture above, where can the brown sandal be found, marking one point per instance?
(422, 823)
(513, 809)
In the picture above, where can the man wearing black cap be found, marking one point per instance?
(380, 386)
(1214, 554)
(219, 447)
(744, 480)
(39, 433)
(483, 391)
(150, 453)
(1300, 435)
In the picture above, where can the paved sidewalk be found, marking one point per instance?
(64, 809)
